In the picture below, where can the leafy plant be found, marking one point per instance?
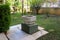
(36, 4)
(4, 17)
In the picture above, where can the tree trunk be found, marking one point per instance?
(37, 12)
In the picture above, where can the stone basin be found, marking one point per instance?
(29, 19)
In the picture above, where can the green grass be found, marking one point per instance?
(51, 24)
(16, 19)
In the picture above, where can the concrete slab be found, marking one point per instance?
(15, 33)
(2, 36)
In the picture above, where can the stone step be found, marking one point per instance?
(2, 36)
(40, 28)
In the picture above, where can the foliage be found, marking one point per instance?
(18, 4)
(16, 19)
(36, 4)
(9, 1)
(15, 5)
(4, 17)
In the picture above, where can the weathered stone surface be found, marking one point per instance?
(2, 36)
(29, 26)
(29, 22)
(15, 33)
(29, 19)
(30, 29)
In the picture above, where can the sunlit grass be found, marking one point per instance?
(16, 19)
(52, 25)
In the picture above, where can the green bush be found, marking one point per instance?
(4, 17)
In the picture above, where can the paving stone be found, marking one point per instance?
(2, 36)
(15, 33)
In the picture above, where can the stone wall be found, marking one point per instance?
(55, 11)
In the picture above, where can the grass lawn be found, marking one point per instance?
(16, 19)
(51, 24)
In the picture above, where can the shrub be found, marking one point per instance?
(4, 17)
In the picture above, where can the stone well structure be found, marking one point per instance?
(29, 24)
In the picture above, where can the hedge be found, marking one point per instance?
(4, 17)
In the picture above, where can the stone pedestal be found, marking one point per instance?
(30, 29)
(29, 26)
